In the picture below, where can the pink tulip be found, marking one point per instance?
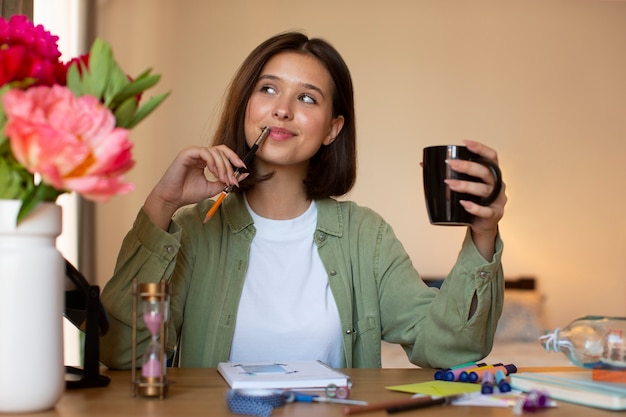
(71, 142)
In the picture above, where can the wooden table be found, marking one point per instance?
(201, 392)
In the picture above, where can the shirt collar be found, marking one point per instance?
(329, 215)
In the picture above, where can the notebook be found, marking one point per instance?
(576, 387)
(288, 375)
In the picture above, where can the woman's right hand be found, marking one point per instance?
(185, 182)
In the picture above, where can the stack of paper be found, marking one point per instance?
(576, 387)
(290, 375)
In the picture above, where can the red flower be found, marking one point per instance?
(29, 51)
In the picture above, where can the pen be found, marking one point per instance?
(246, 160)
(291, 396)
(387, 405)
(431, 401)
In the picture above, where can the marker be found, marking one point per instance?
(477, 374)
(486, 386)
(440, 373)
(503, 384)
(457, 373)
(464, 375)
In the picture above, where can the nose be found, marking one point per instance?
(283, 110)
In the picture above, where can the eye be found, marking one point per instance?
(268, 89)
(307, 98)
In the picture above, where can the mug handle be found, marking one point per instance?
(497, 175)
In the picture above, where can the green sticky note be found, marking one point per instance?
(437, 388)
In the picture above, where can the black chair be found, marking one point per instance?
(85, 311)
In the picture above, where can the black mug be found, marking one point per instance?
(442, 203)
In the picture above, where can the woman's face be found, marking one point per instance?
(293, 96)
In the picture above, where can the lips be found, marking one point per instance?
(280, 133)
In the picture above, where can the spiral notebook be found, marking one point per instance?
(575, 387)
(288, 375)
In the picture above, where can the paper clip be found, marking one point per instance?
(535, 400)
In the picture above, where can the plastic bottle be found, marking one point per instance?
(591, 341)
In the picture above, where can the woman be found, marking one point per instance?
(283, 271)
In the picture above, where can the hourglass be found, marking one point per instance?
(154, 313)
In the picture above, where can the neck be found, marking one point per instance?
(280, 198)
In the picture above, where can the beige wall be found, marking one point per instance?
(542, 81)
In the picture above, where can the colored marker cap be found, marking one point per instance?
(448, 376)
(510, 369)
(439, 374)
(504, 386)
(472, 377)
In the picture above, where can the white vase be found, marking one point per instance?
(32, 291)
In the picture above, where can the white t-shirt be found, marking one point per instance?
(287, 311)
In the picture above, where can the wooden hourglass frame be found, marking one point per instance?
(152, 382)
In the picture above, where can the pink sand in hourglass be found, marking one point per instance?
(153, 322)
(151, 368)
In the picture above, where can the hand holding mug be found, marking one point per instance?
(443, 203)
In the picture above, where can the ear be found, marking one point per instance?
(335, 128)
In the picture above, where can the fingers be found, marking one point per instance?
(481, 149)
(487, 217)
(219, 164)
(494, 211)
(482, 188)
(474, 169)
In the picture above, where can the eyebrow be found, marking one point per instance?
(305, 85)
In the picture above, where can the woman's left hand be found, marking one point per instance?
(485, 225)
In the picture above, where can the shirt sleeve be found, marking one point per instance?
(147, 253)
(434, 325)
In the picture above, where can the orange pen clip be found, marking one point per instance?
(246, 160)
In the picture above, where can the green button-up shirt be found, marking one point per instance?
(378, 292)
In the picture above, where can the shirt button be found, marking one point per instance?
(332, 272)
(321, 238)
(170, 249)
(484, 274)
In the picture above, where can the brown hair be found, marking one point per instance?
(332, 170)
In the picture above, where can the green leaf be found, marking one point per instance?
(125, 112)
(135, 88)
(147, 108)
(9, 184)
(118, 81)
(5, 146)
(73, 80)
(39, 193)
(3, 90)
(100, 66)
